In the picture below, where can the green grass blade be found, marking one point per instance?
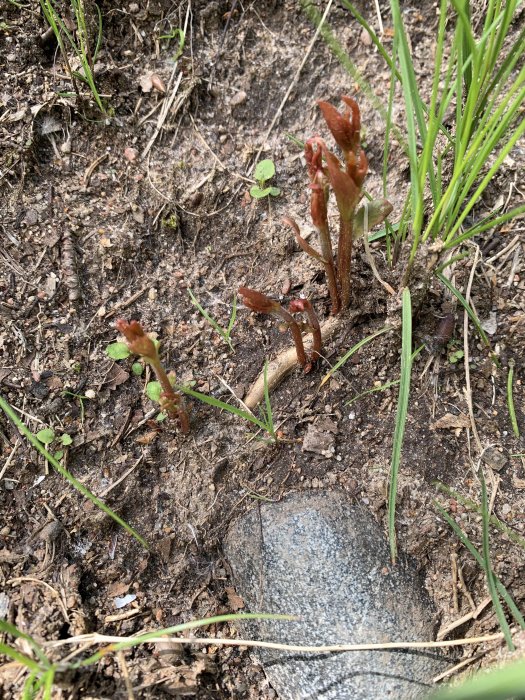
(194, 624)
(6, 408)
(32, 686)
(467, 308)
(510, 400)
(477, 556)
(375, 39)
(20, 658)
(47, 689)
(472, 505)
(401, 416)
(225, 335)
(503, 683)
(488, 222)
(268, 405)
(491, 581)
(342, 56)
(353, 350)
(233, 316)
(8, 628)
(217, 403)
(383, 387)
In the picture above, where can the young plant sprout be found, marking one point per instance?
(139, 343)
(264, 171)
(260, 303)
(346, 180)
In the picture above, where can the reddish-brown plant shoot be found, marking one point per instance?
(256, 301)
(141, 344)
(346, 180)
(304, 306)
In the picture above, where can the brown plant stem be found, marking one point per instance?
(260, 303)
(284, 363)
(303, 305)
(172, 402)
(344, 257)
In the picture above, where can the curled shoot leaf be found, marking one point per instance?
(260, 303)
(139, 343)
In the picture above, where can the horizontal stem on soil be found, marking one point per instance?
(287, 360)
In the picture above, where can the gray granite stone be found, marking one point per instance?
(317, 556)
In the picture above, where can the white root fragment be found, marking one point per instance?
(286, 361)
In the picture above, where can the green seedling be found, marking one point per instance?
(79, 42)
(225, 333)
(180, 36)
(455, 356)
(264, 171)
(137, 368)
(81, 400)
(139, 343)
(47, 436)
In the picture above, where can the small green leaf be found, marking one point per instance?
(118, 351)
(58, 455)
(153, 391)
(456, 356)
(257, 193)
(264, 170)
(46, 436)
(137, 368)
(275, 191)
(66, 439)
(161, 417)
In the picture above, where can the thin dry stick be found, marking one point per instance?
(369, 255)
(10, 458)
(457, 667)
(121, 478)
(125, 673)
(379, 18)
(454, 564)
(472, 615)
(166, 106)
(279, 112)
(468, 390)
(307, 649)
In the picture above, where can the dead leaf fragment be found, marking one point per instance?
(157, 83)
(449, 422)
(130, 154)
(234, 600)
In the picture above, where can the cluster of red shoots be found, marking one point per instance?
(346, 180)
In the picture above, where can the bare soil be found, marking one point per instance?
(119, 219)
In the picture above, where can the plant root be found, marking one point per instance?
(285, 362)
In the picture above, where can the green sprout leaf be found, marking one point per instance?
(58, 455)
(161, 417)
(46, 436)
(118, 351)
(275, 191)
(455, 356)
(257, 193)
(264, 170)
(137, 368)
(66, 439)
(153, 391)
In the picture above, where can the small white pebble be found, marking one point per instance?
(351, 415)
